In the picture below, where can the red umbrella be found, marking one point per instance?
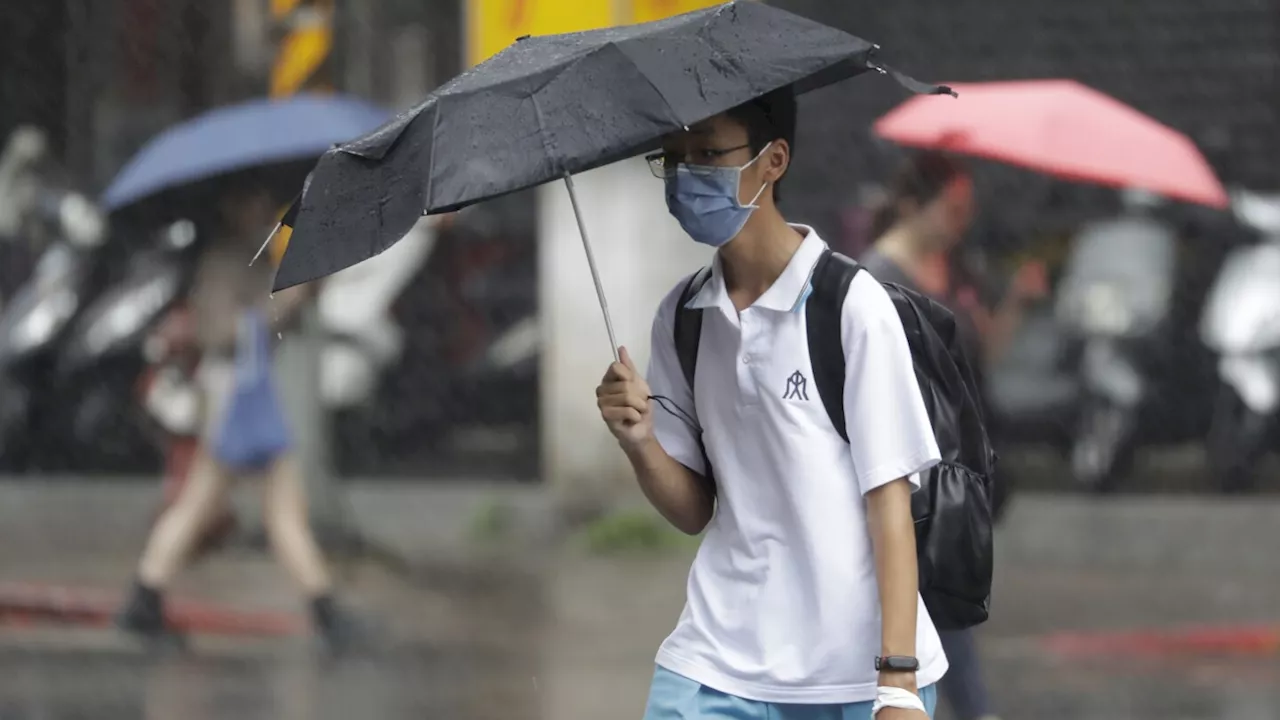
(1061, 128)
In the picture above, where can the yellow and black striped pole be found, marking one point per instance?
(302, 64)
(305, 30)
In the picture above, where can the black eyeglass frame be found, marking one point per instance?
(663, 170)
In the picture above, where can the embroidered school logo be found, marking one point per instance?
(797, 387)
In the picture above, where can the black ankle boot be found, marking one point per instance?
(338, 629)
(143, 615)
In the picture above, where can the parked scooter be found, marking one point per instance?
(1116, 299)
(355, 305)
(104, 353)
(490, 383)
(475, 355)
(363, 338)
(1242, 324)
(37, 318)
(1033, 391)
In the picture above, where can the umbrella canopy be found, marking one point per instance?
(238, 137)
(547, 107)
(1061, 128)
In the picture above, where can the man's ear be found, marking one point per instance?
(776, 160)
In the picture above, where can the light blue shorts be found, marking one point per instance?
(676, 697)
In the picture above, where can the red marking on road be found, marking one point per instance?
(1251, 640)
(24, 604)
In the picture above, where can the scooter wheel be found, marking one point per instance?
(1103, 453)
(1237, 440)
(14, 454)
(15, 443)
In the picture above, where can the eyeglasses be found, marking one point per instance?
(663, 165)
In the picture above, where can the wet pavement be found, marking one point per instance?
(459, 664)
(1027, 686)
(572, 637)
(112, 683)
(109, 683)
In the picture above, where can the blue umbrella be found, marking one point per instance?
(239, 137)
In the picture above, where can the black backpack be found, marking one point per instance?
(952, 508)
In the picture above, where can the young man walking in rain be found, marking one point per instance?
(802, 601)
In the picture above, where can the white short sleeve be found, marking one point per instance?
(671, 391)
(890, 436)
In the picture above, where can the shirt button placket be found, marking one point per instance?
(750, 357)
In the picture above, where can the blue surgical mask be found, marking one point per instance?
(704, 199)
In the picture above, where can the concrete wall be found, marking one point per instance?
(641, 252)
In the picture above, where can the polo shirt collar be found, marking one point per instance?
(788, 292)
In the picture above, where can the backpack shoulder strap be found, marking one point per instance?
(688, 334)
(688, 325)
(832, 276)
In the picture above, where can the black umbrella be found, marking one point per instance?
(548, 107)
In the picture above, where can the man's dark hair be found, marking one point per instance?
(767, 118)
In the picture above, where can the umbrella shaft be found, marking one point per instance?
(591, 262)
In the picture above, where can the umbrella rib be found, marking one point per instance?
(542, 134)
(555, 74)
(671, 111)
(431, 164)
(537, 109)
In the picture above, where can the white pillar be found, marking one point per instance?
(298, 384)
(641, 252)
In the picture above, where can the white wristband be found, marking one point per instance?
(896, 698)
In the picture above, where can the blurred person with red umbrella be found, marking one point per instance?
(925, 214)
(1057, 127)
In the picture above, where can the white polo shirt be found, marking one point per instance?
(782, 598)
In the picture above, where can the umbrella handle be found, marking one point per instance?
(591, 261)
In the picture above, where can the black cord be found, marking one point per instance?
(670, 406)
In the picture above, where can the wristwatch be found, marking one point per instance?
(897, 663)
